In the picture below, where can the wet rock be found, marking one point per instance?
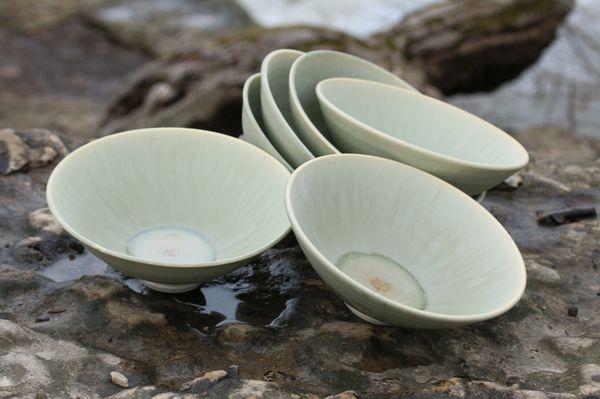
(344, 395)
(32, 361)
(276, 318)
(465, 46)
(34, 15)
(548, 93)
(162, 27)
(202, 87)
(42, 220)
(207, 379)
(538, 272)
(511, 184)
(30, 149)
(119, 379)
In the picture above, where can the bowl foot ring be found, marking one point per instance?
(170, 288)
(366, 318)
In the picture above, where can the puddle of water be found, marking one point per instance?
(86, 264)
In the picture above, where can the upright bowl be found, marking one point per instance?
(306, 72)
(171, 206)
(431, 135)
(401, 246)
(275, 98)
(253, 124)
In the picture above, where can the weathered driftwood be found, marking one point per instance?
(563, 216)
(463, 45)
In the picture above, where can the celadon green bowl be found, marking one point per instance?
(372, 118)
(171, 206)
(401, 246)
(306, 72)
(275, 99)
(253, 125)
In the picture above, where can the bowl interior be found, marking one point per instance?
(421, 121)
(405, 235)
(315, 66)
(171, 195)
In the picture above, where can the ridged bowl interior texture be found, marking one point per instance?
(228, 190)
(466, 264)
(372, 118)
(306, 72)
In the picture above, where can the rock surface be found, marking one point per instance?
(68, 320)
(466, 46)
(201, 87)
(162, 27)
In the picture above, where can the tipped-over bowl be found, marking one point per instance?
(255, 131)
(306, 72)
(171, 206)
(401, 246)
(275, 98)
(372, 118)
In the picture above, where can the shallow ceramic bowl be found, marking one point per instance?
(401, 246)
(372, 118)
(254, 128)
(275, 98)
(171, 206)
(306, 72)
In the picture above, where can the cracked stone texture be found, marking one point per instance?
(68, 320)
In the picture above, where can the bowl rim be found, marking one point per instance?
(397, 306)
(295, 99)
(248, 110)
(389, 139)
(292, 135)
(158, 130)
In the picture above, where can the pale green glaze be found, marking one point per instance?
(306, 72)
(274, 93)
(372, 118)
(467, 265)
(255, 131)
(232, 192)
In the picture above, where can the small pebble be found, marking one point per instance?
(71, 257)
(119, 379)
(573, 311)
(41, 319)
(55, 311)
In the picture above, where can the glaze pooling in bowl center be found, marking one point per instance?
(171, 244)
(384, 276)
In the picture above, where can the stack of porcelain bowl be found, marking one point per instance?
(306, 105)
(391, 227)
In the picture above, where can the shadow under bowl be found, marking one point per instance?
(171, 206)
(401, 246)
(372, 118)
